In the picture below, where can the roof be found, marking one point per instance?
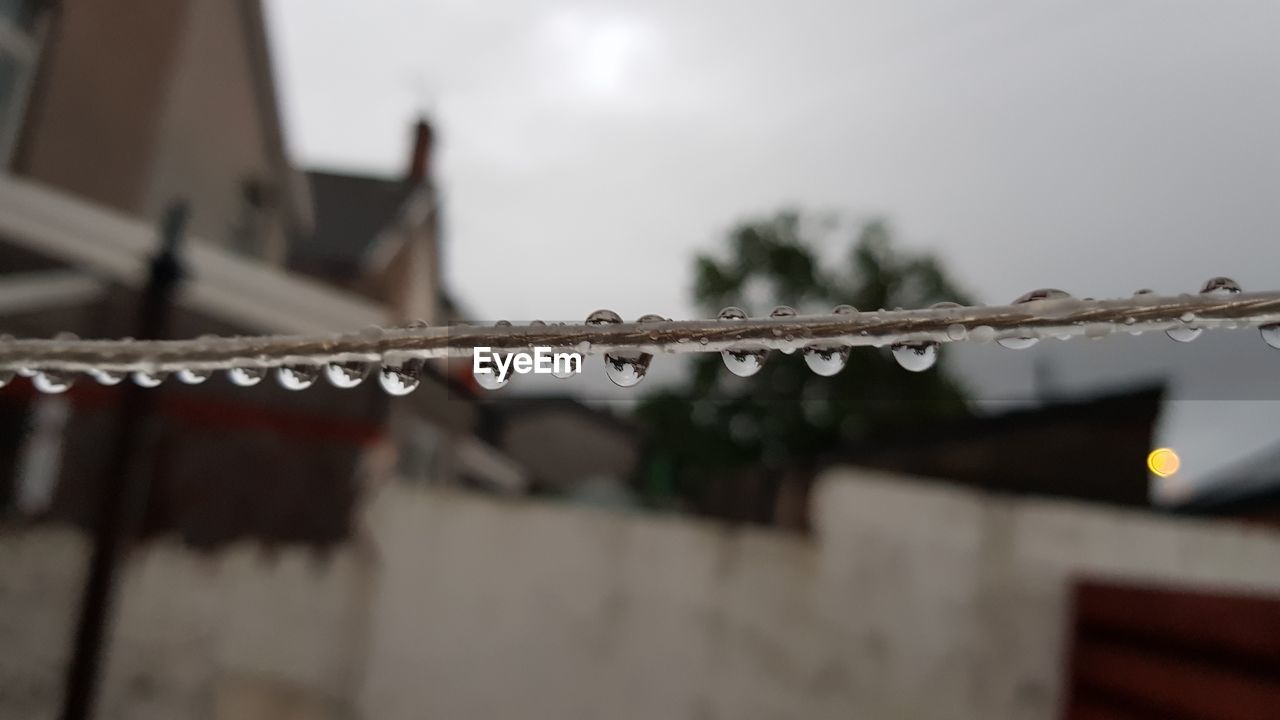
(351, 211)
(110, 245)
(1090, 449)
(1248, 487)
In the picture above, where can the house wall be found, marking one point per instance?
(912, 601)
(213, 137)
(138, 103)
(96, 103)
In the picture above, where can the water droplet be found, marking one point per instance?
(784, 311)
(1187, 316)
(297, 377)
(106, 377)
(916, 357)
(743, 363)
(347, 375)
(1271, 335)
(604, 317)
(192, 376)
(982, 334)
(1183, 334)
(487, 378)
(623, 368)
(945, 305)
(148, 378)
(246, 376)
(52, 383)
(829, 360)
(1017, 343)
(1223, 286)
(626, 371)
(402, 377)
(1022, 343)
(826, 361)
(564, 370)
(957, 332)
(1042, 294)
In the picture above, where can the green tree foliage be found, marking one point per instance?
(717, 426)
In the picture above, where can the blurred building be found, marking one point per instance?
(1247, 490)
(111, 112)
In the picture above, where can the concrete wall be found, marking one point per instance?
(913, 601)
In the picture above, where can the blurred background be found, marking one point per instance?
(982, 539)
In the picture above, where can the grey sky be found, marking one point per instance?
(1094, 146)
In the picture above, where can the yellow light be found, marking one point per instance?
(1163, 462)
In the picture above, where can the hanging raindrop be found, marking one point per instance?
(1187, 334)
(1223, 286)
(401, 377)
(1017, 343)
(916, 357)
(297, 377)
(564, 367)
(106, 377)
(488, 377)
(193, 376)
(1271, 335)
(1184, 334)
(52, 383)
(826, 361)
(743, 363)
(1022, 343)
(246, 376)
(628, 368)
(347, 375)
(829, 360)
(148, 378)
(785, 311)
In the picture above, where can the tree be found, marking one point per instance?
(721, 444)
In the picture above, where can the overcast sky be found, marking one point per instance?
(587, 149)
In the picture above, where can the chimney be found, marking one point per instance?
(420, 161)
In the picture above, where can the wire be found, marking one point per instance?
(1056, 317)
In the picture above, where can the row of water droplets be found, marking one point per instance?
(398, 373)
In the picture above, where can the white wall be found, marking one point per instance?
(913, 601)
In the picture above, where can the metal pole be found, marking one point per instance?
(123, 490)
